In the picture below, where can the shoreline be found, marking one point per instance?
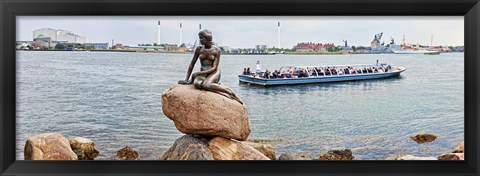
(239, 54)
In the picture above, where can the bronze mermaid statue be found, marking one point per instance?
(209, 75)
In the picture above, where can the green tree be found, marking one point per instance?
(45, 48)
(354, 48)
(60, 46)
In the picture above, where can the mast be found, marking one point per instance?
(158, 33)
(278, 36)
(181, 33)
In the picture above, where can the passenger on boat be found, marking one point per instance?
(283, 74)
(244, 71)
(380, 70)
(322, 72)
(266, 74)
(275, 74)
(259, 67)
(248, 71)
(334, 71)
(388, 68)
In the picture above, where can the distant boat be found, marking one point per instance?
(323, 74)
(415, 51)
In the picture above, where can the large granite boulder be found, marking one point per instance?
(48, 146)
(206, 113)
(226, 149)
(345, 154)
(459, 148)
(84, 148)
(188, 147)
(265, 149)
(452, 156)
(296, 156)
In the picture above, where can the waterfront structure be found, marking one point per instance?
(224, 48)
(261, 47)
(313, 47)
(145, 47)
(171, 47)
(58, 35)
(345, 49)
(98, 45)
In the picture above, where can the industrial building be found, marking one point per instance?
(58, 35)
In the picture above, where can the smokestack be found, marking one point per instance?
(181, 33)
(278, 37)
(158, 33)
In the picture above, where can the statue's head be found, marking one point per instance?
(206, 35)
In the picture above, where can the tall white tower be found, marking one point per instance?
(158, 33)
(181, 33)
(278, 37)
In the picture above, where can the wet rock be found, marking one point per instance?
(84, 148)
(395, 157)
(422, 138)
(188, 147)
(48, 146)
(345, 154)
(207, 113)
(226, 149)
(459, 148)
(295, 156)
(265, 149)
(452, 156)
(411, 157)
(126, 153)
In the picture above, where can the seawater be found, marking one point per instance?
(115, 100)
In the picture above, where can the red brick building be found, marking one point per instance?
(313, 47)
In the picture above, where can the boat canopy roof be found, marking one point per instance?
(323, 66)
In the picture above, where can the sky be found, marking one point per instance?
(246, 32)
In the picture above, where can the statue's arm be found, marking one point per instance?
(192, 63)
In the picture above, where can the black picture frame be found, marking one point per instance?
(9, 9)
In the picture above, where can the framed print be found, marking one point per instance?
(302, 88)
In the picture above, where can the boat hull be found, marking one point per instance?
(317, 79)
(415, 52)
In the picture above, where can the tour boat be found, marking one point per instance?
(322, 74)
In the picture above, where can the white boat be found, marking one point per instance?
(414, 51)
(323, 74)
